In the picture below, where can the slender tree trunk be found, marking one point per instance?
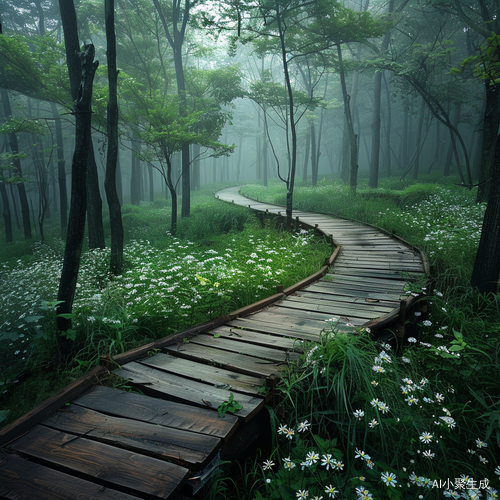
(135, 193)
(94, 204)
(353, 148)
(6, 213)
(196, 177)
(265, 168)
(61, 170)
(306, 155)
(76, 222)
(314, 159)
(388, 124)
(16, 162)
(115, 215)
(416, 166)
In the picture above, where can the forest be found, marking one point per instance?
(119, 119)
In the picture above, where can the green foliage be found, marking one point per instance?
(229, 406)
(485, 65)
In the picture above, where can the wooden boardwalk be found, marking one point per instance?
(94, 442)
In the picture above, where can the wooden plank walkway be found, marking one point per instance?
(111, 444)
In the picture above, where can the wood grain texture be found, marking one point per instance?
(157, 411)
(24, 480)
(186, 448)
(106, 465)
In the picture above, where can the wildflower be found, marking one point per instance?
(326, 461)
(389, 478)
(289, 465)
(497, 470)
(268, 480)
(472, 452)
(362, 455)
(450, 422)
(451, 494)
(302, 494)
(374, 383)
(438, 336)
(481, 444)
(372, 424)
(428, 454)
(418, 313)
(412, 340)
(483, 460)
(426, 437)
(305, 464)
(427, 323)
(267, 465)
(290, 433)
(428, 400)
(439, 397)
(303, 426)
(338, 464)
(282, 429)
(492, 493)
(385, 357)
(370, 464)
(405, 359)
(331, 490)
(411, 400)
(359, 414)
(312, 457)
(378, 368)
(363, 494)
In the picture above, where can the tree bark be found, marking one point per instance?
(94, 203)
(115, 214)
(76, 222)
(6, 213)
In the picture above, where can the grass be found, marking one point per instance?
(221, 260)
(361, 420)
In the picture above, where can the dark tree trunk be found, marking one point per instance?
(76, 222)
(388, 125)
(491, 122)
(16, 162)
(151, 184)
(487, 264)
(115, 214)
(6, 213)
(61, 171)
(119, 179)
(94, 203)
(265, 168)
(353, 148)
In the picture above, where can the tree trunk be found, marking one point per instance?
(491, 122)
(306, 155)
(16, 162)
(314, 158)
(6, 213)
(94, 203)
(486, 270)
(61, 170)
(115, 215)
(135, 184)
(416, 166)
(388, 124)
(76, 222)
(353, 148)
(196, 177)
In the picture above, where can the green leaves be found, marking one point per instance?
(230, 406)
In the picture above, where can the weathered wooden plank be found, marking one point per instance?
(229, 360)
(375, 273)
(348, 303)
(157, 411)
(105, 464)
(185, 448)
(159, 383)
(239, 347)
(254, 325)
(256, 338)
(343, 295)
(24, 480)
(380, 263)
(340, 310)
(315, 315)
(213, 375)
(388, 284)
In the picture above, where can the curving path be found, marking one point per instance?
(110, 444)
